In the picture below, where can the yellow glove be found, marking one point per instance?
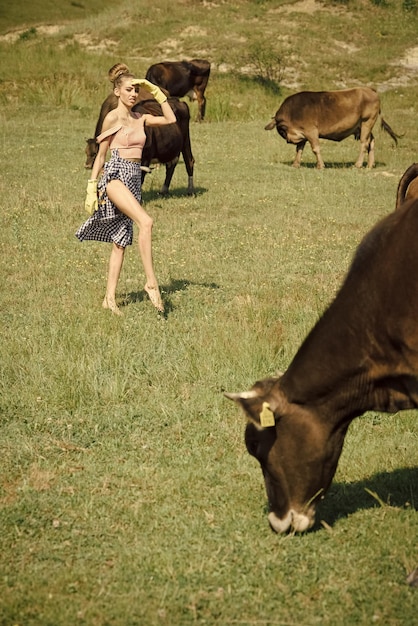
(153, 89)
(91, 198)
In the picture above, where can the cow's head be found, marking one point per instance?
(281, 127)
(271, 124)
(91, 151)
(297, 453)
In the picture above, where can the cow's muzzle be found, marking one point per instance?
(293, 521)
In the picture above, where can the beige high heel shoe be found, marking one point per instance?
(109, 303)
(155, 297)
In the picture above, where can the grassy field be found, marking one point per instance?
(126, 494)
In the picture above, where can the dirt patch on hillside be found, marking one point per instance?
(407, 72)
(307, 6)
(84, 39)
(304, 6)
(42, 29)
(410, 59)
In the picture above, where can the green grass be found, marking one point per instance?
(126, 494)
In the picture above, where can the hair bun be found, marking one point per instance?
(117, 71)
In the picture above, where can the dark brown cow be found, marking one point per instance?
(408, 185)
(362, 355)
(335, 115)
(164, 143)
(181, 78)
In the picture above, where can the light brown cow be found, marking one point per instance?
(335, 115)
(408, 185)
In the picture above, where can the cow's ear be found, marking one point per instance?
(262, 409)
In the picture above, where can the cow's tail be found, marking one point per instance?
(388, 129)
(407, 177)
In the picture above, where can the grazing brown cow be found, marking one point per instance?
(408, 185)
(335, 115)
(181, 78)
(362, 355)
(164, 143)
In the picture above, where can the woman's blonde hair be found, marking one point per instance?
(118, 72)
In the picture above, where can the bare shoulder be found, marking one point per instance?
(110, 120)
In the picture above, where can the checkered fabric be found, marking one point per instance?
(108, 223)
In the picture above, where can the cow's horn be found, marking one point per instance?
(244, 395)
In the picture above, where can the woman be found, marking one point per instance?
(115, 203)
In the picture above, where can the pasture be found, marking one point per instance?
(127, 497)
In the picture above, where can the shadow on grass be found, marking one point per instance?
(179, 192)
(397, 489)
(174, 286)
(345, 165)
(269, 85)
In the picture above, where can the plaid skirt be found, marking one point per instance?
(108, 223)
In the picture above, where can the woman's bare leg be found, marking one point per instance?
(115, 266)
(126, 202)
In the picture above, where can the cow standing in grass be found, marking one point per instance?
(362, 355)
(181, 78)
(335, 115)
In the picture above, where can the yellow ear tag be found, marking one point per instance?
(267, 416)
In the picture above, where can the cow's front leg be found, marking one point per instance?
(201, 107)
(299, 149)
(190, 186)
(317, 152)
